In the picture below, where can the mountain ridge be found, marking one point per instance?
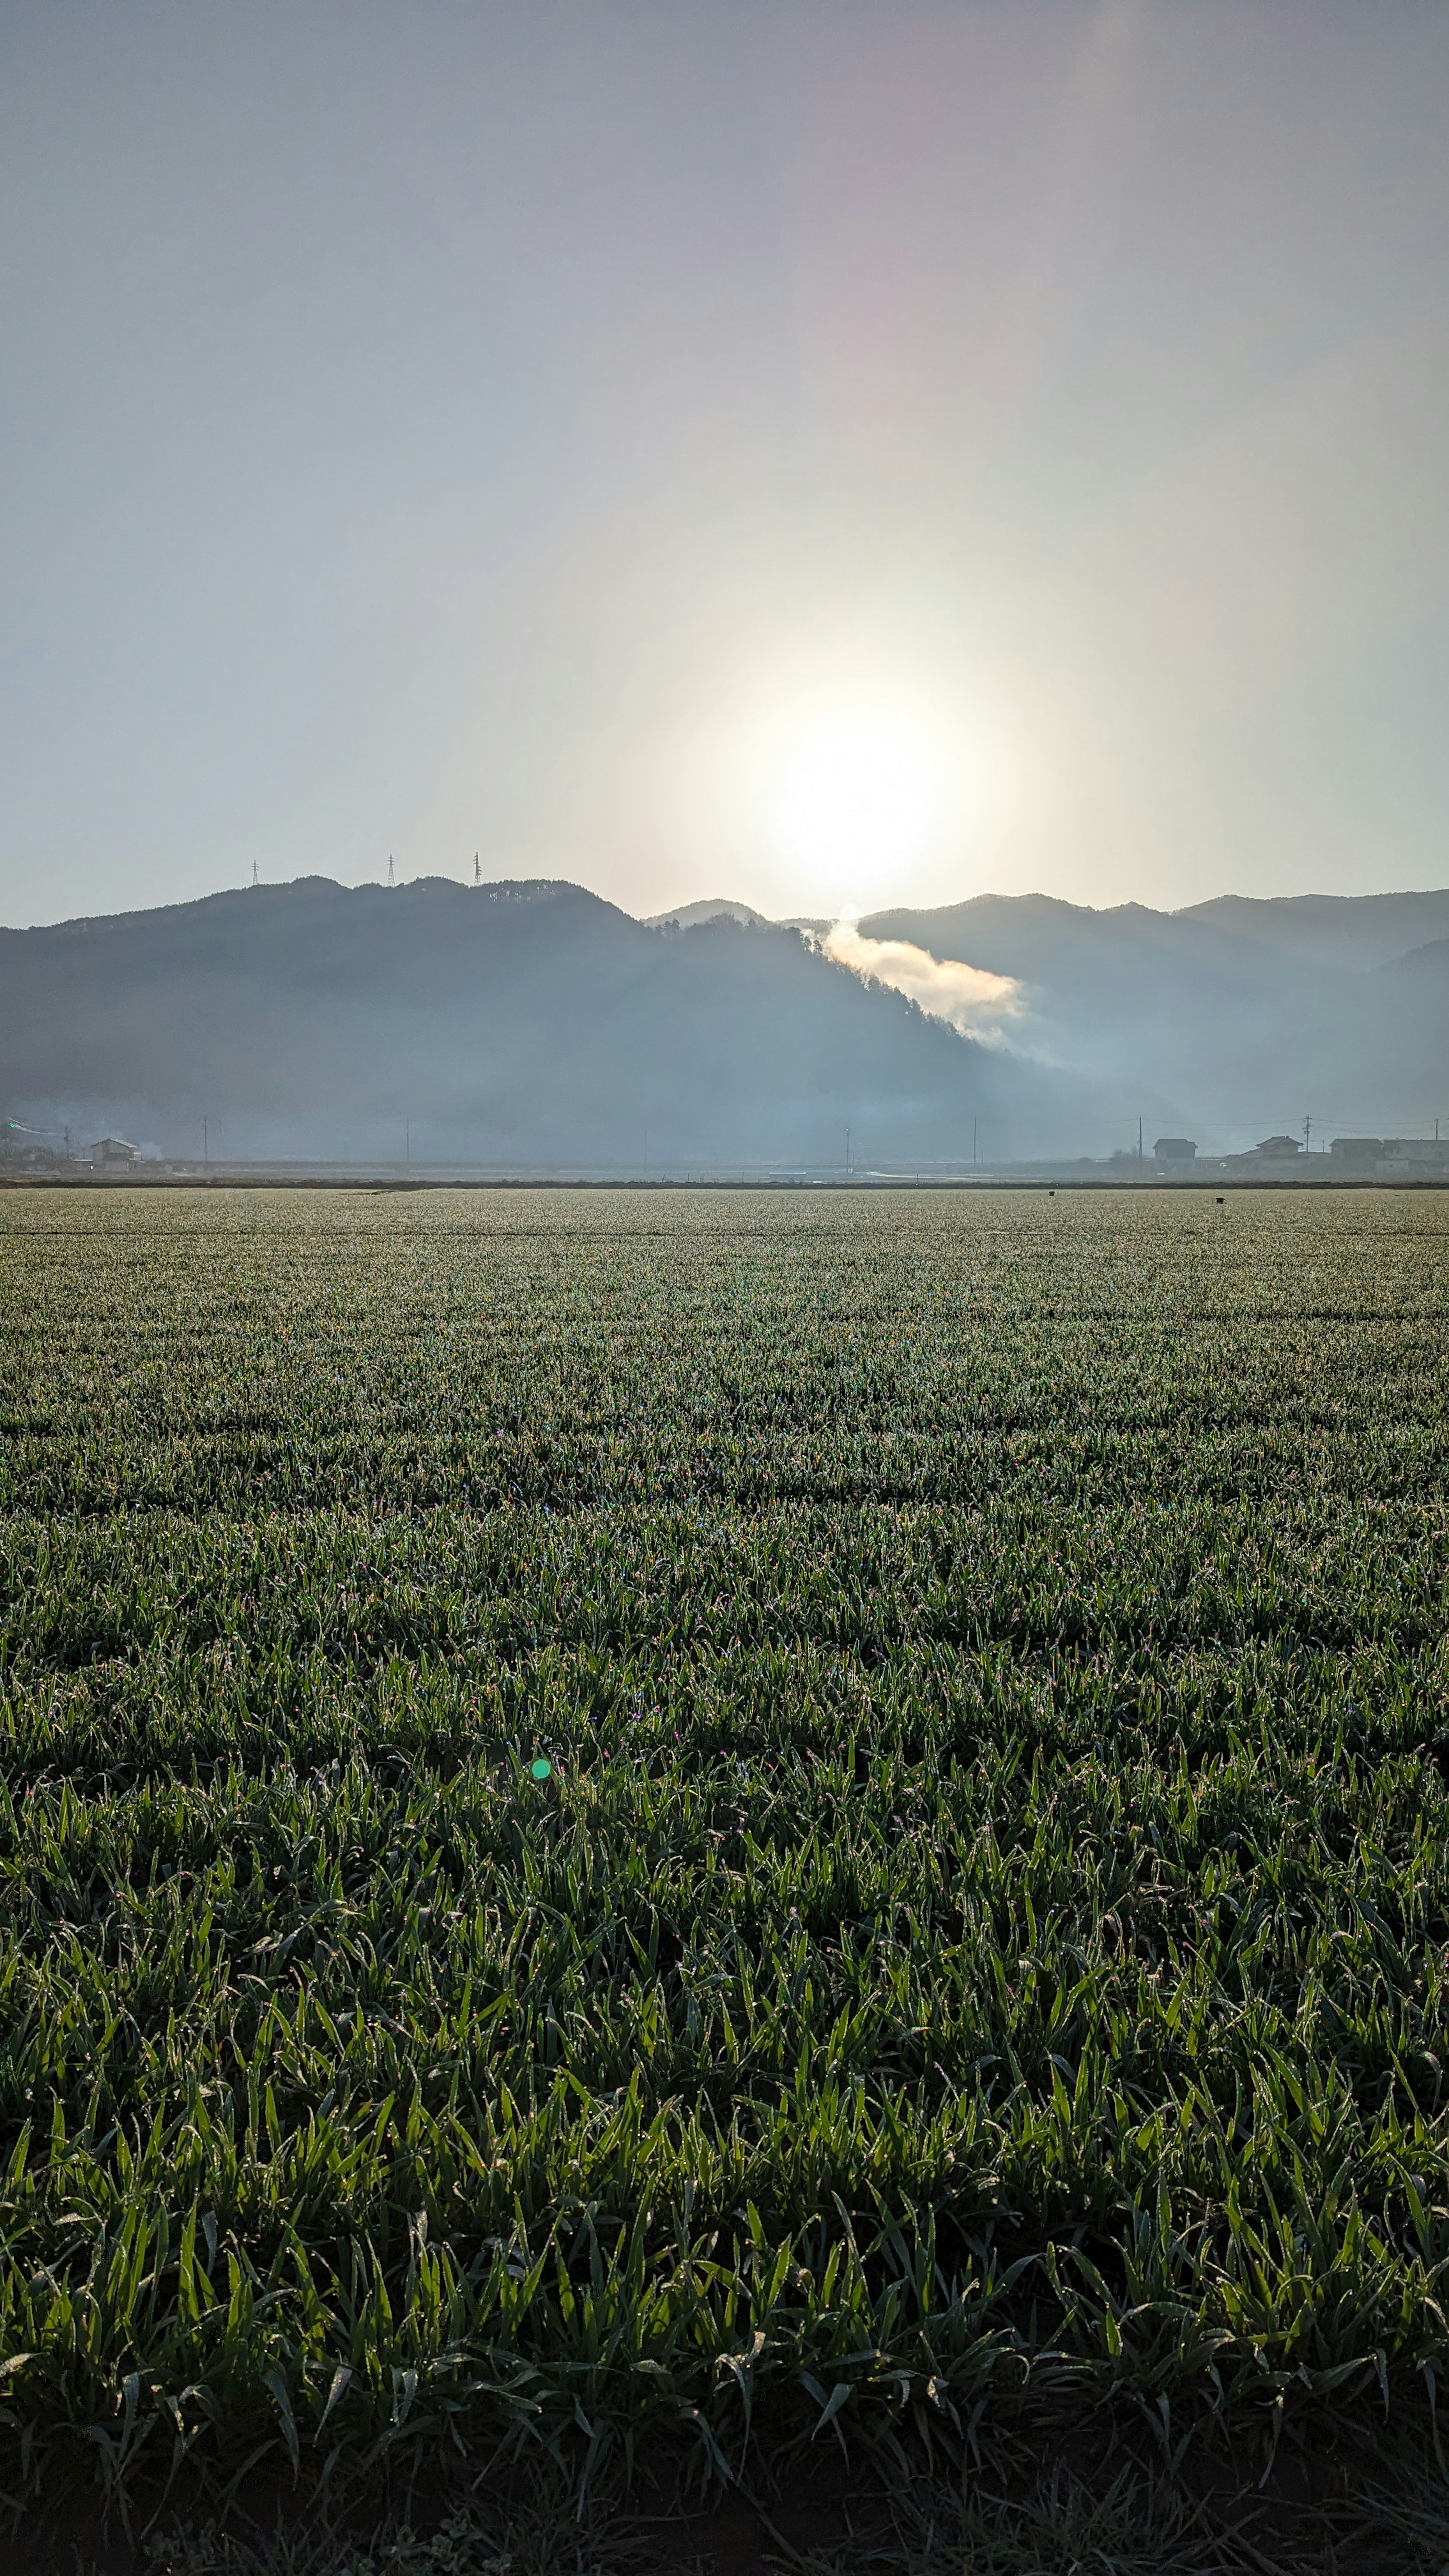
(1255, 1011)
(528, 1021)
(531, 1019)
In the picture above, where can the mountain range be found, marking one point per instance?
(1249, 1014)
(511, 1024)
(533, 1024)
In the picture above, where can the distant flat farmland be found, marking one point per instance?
(708, 1818)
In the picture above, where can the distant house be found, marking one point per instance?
(1356, 1153)
(1410, 1154)
(1266, 1159)
(1174, 1149)
(111, 1149)
(1389, 1154)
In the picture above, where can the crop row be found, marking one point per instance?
(981, 1947)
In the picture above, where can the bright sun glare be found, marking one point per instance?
(858, 795)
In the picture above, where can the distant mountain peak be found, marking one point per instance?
(691, 916)
(527, 1022)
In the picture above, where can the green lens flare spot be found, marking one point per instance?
(541, 1768)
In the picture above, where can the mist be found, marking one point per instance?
(517, 1024)
(1249, 1016)
(531, 1025)
(968, 998)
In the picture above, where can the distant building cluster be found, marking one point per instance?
(1397, 1156)
(1348, 1158)
(1278, 1158)
(37, 1149)
(1284, 1157)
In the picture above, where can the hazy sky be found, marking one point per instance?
(559, 431)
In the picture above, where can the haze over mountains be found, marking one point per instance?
(1249, 1015)
(533, 1023)
(508, 1024)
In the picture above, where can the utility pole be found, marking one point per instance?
(390, 877)
(477, 871)
(254, 871)
(1307, 1132)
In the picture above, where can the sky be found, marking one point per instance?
(819, 453)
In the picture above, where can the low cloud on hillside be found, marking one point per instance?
(978, 1003)
(523, 1024)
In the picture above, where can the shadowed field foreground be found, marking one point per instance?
(976, 1967)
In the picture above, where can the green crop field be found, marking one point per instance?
(977, 1957)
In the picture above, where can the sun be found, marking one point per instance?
(856, 797)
